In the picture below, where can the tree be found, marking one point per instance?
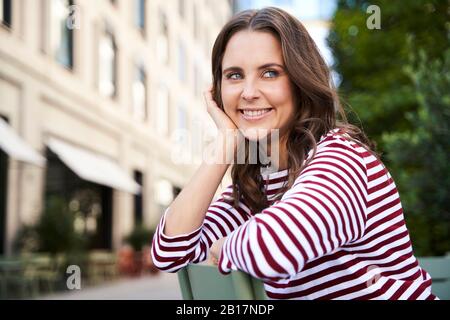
(424, 151)
(55, 229)
(396, 81)
(371, 62)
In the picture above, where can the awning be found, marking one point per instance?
(16, 147)
(93, 167)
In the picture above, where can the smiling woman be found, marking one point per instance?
(329, 224)
(256, 90)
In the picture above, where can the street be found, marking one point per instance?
(163, 286)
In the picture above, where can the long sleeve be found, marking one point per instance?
(172, 253)
(324, 210)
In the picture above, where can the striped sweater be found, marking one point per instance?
(337, 233)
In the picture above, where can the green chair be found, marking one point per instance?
(43, 268)
(439, 270)
(13, 284)
(102, 266)
(205, 282)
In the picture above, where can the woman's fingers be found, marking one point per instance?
(220, 118)
(215, 249)
(210, 103)
(213, 259)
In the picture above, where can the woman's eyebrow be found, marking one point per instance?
(266, 65)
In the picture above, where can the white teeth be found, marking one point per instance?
(255, 113)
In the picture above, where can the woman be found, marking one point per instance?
(329, 223)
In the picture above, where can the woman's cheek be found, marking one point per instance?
(230, 99)
(277, 94)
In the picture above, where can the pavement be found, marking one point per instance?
(162, 286)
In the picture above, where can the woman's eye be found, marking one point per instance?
(266, 74)
(270, 74)
(233, 76)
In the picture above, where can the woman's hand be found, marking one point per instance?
(215, 250)
(229, 137)
(220, 118)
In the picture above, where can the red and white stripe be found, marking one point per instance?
(338, 233)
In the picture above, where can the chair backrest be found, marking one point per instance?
(205, 282)
(439, 270)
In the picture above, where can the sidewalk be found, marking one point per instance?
(158, 287)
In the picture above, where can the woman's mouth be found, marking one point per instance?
(255, 114)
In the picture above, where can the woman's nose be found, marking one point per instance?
(250, 90)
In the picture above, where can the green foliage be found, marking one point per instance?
(396, 80)
(424, 152)
(139, 237)
(371, 61)
(53, 233)
(26, 240)
(56, 228)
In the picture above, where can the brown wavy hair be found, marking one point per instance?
(316, 103)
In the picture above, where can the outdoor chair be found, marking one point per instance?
(205, 282)
(102, 266)
(439, 270)
(45, 269)
(13, 283)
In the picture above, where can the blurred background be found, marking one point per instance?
(91, 93)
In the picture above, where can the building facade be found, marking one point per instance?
(97, 89)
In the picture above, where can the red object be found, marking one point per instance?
(134, 263)
(148, 264)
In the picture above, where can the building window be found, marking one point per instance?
(163, 39)
(60, 34)
(139, 14)
(197, 79)
(176, 191)
(5, 12)
(107, 73)
(181, 62)
(205, 42)
(196, 22)
(162, 112)
(3, 195)
(138, 199)
(181, 117)
(139, 94)
(182, 8)
(89, 203)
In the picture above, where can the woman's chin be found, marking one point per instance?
(255, 134)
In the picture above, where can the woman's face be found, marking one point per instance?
(256, 90)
